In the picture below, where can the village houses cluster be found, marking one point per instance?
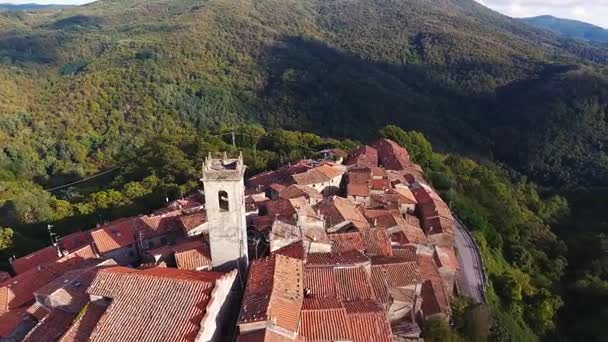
(349, 247)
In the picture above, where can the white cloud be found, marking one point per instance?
(591, 11)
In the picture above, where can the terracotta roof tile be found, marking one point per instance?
(313, 176)
(294, 250)
(379, 286)
(37, 258)
(9, 321)
(19, 290)
(380, 184)
(345, 242)
(191, 221)
(85, 323)
(353, 283)
(408, 253)
(320, 282)
(280, 176)
(337, 210)
(392, 156)
(198, 258)
(170, 300)
(68, 292)
(399, 274)
(349, 258)
(75, 241)
(4, 276)
(357, 189)
(364, 155)
(368, 321)
(324, 324)
(51, 327)
(37, 311)
(434, 295)
(115, 235)
(377, 242)
(295, 191)
(274, 292)
(155, 225)
(405, 193)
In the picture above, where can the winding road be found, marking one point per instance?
(471, 279)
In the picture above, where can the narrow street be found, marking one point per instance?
(471, 278)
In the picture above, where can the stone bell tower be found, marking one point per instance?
(224, 184)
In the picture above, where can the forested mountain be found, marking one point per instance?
(571, 28)
(136, 87)
(106, 76)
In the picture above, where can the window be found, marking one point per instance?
(163, 241)
(150, 244)
(222, 197)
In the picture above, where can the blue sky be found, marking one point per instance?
(591, 11)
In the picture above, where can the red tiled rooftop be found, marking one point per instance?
(189, 222)
(380, 184)
(295, 191)
(338, 209)
(197, 258)
(171, 301)
(434, 296)
(320, 282)
(4, 276)
(324, 324)
(51, 327)
(9, 321)
(357, 189)
(353, 283)
(349, 258)
(115, 235)
(377, 242)
(263, 180)
(344, 242)
(391, 155)
(364, 155)
(320, 174)
(85, 323)
(155, 225)
(408, 253)
(368, 322)
(19, 290)
(294, 250)
(274, 290)
(34, 259)
(37, 311)
(75, 241)
(405, 193)
(399, 274)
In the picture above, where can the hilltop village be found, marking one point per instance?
(350, 247)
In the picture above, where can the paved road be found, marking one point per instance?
(471, 278)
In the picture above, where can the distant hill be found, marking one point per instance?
(30, 7)
(571, 28)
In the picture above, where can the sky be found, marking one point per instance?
(46, 2)
(591, 11)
